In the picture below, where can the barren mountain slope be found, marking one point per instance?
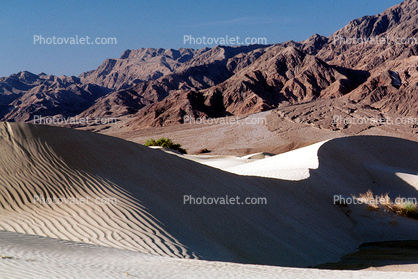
(26, 95)
(280, 75)
(162, 86)
(387, 48)
(136, 66)
(206, 69)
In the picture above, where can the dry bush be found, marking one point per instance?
(404, 208)
(374, 202)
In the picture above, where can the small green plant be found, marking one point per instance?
(408, 209)
(166, 143)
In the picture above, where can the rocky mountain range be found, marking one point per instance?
(25, 95)
(371, 62)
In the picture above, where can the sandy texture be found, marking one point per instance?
(299, 226)
(275, 131)
(259, 132)
(292, 165)
(84, 207)
(34, 257)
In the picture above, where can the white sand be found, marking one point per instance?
(135, 203)
(218, 161)
(225, 162)
(411, 179)
(36, 257)
(293, 165)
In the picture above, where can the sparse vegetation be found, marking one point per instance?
(401, 206)
(407, 209)
(374, 201)
(166, 143)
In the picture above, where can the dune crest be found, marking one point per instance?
(142, 206)
(42, 195)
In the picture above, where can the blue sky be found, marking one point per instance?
(137, 24)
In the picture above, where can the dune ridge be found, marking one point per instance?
(42, 195)
(299, 225)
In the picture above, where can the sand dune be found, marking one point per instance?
(292, 165)
(136, 197)
(44, 194)
(226, 162)
(26, 256)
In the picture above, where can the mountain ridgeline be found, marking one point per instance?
(158, 87)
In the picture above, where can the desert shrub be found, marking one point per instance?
(408, 209)
(166, 143)
(403, 208)
(374, 201)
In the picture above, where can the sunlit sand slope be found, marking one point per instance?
(49, 194)
(27, 256)
(86, 187)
